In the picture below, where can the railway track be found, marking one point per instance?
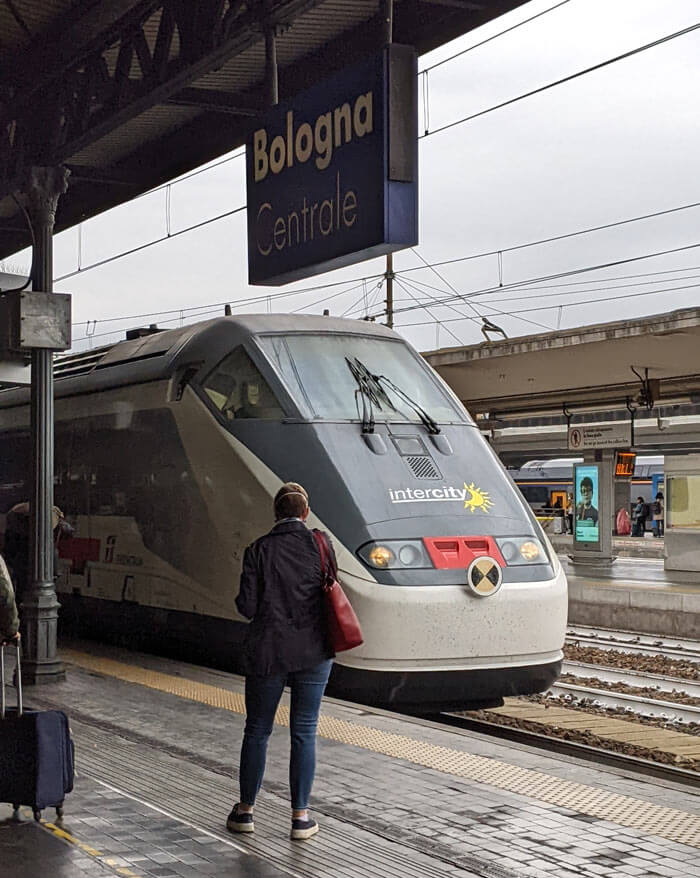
(671, 711)
(635, 679)
(672, 705)
(642, 644)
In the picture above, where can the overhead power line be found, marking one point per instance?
(571, 273)
(490, 39)
(513, 248)
(564, 79)
(566, 235)
(519, 311)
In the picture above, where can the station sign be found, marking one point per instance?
(332, 174)
(582, 438)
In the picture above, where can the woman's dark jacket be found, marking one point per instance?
(281, 593)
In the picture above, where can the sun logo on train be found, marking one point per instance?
(478, 499)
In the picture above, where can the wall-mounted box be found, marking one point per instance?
(30, 320)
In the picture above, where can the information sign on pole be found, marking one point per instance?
(582, 438)
(332, 174)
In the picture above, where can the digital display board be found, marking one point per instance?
(624, 464)
(586, 524)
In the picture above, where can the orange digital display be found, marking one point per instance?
(624, 465)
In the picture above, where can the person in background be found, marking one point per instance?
(286, 644)
(639, 518)
(9, 620)
(570, 512)
(658, 515)
(17, 543)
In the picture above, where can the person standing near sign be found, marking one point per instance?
(658, 515)
(585, 510)
(570, 513)
(639, 516)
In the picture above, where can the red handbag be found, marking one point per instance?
(344, 630)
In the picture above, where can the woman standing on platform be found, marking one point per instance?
(286, 644)
(658, 515)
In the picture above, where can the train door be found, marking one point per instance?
(560, 496)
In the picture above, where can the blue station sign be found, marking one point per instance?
(332, 175)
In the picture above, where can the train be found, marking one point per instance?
(171, 444)
(544, 482)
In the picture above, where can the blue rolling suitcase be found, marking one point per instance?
(36, 753)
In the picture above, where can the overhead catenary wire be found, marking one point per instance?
(465, 299)
(593, 68)
(440, 322)
(241, 302)
(554, 293)
(519, 311)
(517, 286)
(570, 273)
(493, 37)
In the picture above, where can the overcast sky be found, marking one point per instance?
(617, 143)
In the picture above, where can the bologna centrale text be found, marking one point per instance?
(310, 218)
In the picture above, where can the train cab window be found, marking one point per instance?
(238, 390)
(316, 371)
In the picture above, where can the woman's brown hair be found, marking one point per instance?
(291, 501)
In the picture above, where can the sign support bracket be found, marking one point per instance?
(633, 411)
(388, 12)
(568, 414)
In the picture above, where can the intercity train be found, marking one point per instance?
(170, 446)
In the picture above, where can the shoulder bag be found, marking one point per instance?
(344, 630)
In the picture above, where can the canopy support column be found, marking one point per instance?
(39, 609)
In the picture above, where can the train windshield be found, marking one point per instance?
(317, 371)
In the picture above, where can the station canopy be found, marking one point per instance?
(129, 95)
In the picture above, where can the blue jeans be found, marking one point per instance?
(262, 695)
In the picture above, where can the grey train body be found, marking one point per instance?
(170, 446)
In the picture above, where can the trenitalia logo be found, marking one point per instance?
(472, 497)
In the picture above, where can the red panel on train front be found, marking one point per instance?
(79, 550)
(451, 552)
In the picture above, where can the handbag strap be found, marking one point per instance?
(326, 564)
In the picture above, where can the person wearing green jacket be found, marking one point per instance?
(9, 620)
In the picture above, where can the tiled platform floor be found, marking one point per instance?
(106, 833)
(450, 804)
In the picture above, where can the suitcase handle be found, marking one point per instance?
(18, 680)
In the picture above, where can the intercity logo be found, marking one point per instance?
(472, 496)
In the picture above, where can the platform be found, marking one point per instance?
(157, 744)
(634, 594)
(623, 547)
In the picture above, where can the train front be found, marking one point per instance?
(461, 598)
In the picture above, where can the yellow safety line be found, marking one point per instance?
(671, 823)
(85, 848)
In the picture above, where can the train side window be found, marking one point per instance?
(238, 390)
(535, 494)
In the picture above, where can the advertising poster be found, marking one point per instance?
(586, 523)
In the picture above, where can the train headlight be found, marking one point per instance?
(381, 556)
(522, 550)
(395, 554)
(530, 551)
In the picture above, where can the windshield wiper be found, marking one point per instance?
(369, 391)
(373, 394)
(429, 423)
